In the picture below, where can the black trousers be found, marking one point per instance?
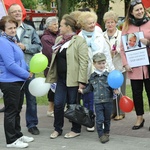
(137, 91)
(13, 100)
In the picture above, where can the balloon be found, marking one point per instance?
(38, 63)
(126, 104)
(1, 94)
(115, 79)
(38, 87)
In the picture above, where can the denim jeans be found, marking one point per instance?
(103, 113)
(63, 95)
(88, 99)
(13, 100)
(31, 107)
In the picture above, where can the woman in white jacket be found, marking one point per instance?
(113, 38)
(96, 44)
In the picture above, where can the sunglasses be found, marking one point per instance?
(134, 2)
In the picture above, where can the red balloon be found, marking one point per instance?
(126, 104)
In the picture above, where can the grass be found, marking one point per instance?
(43, 100)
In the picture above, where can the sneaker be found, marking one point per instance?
(50, 113)
(104, 138)
(26, 139)
(17, 144)
(34, 130)
(90, 129)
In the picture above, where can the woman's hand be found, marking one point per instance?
(81, 86)
(80, 90)
(128, 68)
(145, 41)
(31, 75)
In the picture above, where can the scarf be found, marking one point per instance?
(139, 22)
(99, 72)
(90, 37)
(10, 38)
(65, 38)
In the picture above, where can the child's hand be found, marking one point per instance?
(80, 90)
(116, 91)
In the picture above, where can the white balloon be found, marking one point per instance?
(38, 87)
(1, 94)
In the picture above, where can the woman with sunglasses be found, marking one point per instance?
(137, 21)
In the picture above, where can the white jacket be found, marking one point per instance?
(102, 48)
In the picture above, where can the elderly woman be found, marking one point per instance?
(48, 40)
(13, 74)
(69, 69)
(113, 37)
(137, 20)
(96, 43)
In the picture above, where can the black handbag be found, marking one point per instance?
(80, 114)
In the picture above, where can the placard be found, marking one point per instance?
(136, 51)
(3, 11)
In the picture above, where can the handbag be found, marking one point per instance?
(80, 114)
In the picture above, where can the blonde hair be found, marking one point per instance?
(84, 15)
(110, 15)
(75, 14)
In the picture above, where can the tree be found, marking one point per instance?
(46, 3)
(103, 7)
(63, 7)
(30, 4)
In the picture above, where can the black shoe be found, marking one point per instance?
(138, 127)
(2, 109)
(34, 130)
(104, 138)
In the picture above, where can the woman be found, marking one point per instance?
(42, 24)
(136, 21)
(96, 43)
(48, 40)
(13, 74)
(113, 37)
(69, 69)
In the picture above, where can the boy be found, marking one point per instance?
(103, 96)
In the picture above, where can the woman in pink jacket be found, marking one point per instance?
(137, 21)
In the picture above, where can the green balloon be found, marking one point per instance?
(38, 63)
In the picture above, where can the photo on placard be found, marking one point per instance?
(132, 41)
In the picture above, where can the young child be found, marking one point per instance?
(133, 41)
(103, 96)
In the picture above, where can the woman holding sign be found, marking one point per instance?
(137, 21)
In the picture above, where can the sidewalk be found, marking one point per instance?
(122, 137)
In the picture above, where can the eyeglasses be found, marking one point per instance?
(15, 11)
(134, 2)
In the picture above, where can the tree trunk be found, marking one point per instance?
(102, 8)
(62, 8)
(126, 4)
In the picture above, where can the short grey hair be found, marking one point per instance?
(51, 20)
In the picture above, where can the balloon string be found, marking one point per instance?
(23, 85)
(121, 93)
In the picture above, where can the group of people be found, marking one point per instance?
(80, 58)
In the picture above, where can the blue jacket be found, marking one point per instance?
(12, 64)
(99, 85)
(31, 40)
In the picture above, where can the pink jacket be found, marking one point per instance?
(138, 72)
